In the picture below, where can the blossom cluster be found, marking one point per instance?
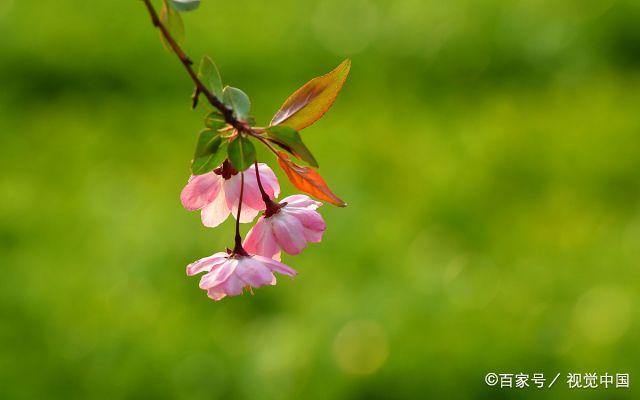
(286, 226)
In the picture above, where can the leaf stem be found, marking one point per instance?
(226, 112)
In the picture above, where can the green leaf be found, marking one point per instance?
(214, 121)
(241, 153)
(210, 76)
(238, 101)
(289, 139)
(209, 152)
(185, 5)
(171, 20)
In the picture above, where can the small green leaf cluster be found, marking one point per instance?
(210, 147)
(220, 141)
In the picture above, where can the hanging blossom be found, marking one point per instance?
(217, 193)
(228, 275)
(292, 224)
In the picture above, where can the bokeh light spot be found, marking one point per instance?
(361, 347)
(603, 314)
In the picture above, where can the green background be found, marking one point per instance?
(489, 152)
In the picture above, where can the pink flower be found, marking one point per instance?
(229, 275)
(290, 228)
(217, 193)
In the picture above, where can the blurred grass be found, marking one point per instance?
(489, 153)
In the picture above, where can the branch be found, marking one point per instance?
(226, 112)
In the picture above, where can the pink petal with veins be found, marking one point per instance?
(215, 213)
(200, 191)
(260, 240)
(206, 264)
(289, 233)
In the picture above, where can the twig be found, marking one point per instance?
(226, 112)
(195, 97)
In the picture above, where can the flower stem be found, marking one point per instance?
(271, 207)
(238, 249)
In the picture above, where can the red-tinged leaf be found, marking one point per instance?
(307, 104)
(308, 180)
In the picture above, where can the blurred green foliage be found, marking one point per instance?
(489, 152)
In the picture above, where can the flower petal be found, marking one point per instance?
(231, 189)
(247, 214)
(251, 196)
(216, 293)
(254, 273)
(312, 236)
(216, 212)
(218, 275)
(200, 191)
(206, 264)
(276, 266)
(289, 233)
(314, 225)
(308, 218)
(301, 201)
(260, 240)
(232, 286)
